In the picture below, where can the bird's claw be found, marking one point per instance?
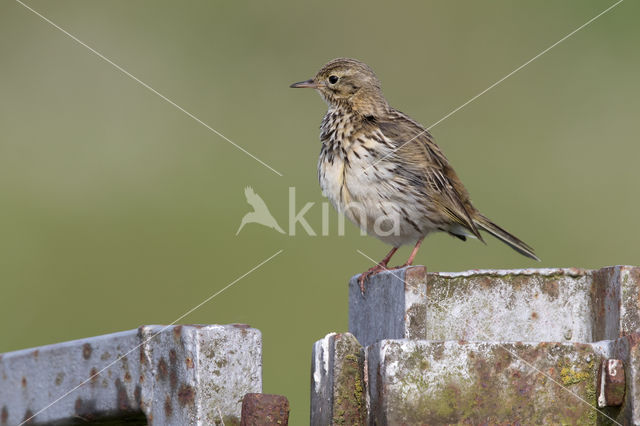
(376, 270)
(369, 273)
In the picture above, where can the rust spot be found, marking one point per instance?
(121, 396)
(173, 379)
(27, 416)
(24, 382)
(534, 315)
(4, 416)
(633, 339)
(242, 326)
(59, 378)
(416, 273)
(36, 353)
(137, 395)
(85, 409)
(198, 326)
(189, 362)
(127, 377)
(186, 395)
(168, 409)
(163, 369)
(86, 351)
(93, 377)
(173, 369)
(177, 332)
(551, 288)
(485, 282)
(141, 379)
(143, 358)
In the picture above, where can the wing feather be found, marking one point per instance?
(419, 154)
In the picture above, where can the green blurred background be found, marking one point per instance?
(116, 209)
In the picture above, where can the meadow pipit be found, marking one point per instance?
(384, 171)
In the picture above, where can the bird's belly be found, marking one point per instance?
(371, 198)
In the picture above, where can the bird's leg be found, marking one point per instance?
(413, 253)
(412, 256)
(381, 266)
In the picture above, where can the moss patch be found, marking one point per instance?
(349, 406)
(474, 383)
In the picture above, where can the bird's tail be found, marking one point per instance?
(512, 241)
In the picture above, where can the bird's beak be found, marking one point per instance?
(302, 84)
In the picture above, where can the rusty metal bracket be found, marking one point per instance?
(611, 383)
(259, 409)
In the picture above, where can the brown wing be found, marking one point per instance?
(419, 154)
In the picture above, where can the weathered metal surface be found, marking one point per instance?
(338, 395)
(392, 307)
(322, 381)
(611, 383)
(458, 361)
(616, 301)
(535, 305)
(627, 349)
(260, 409)
(423, 382)
(570, 305)
(176, 375)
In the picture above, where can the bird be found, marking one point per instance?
(260, 213)
(383, 170)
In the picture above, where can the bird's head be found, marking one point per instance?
(348, 83)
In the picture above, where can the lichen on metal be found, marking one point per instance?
(418, 381)
(157, 375)
(338, 394)
(496, 346)
(563, 304)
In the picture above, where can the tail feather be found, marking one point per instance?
(512, 241)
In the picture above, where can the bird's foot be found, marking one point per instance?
(369, 273)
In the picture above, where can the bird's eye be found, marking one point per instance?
(333, 79)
